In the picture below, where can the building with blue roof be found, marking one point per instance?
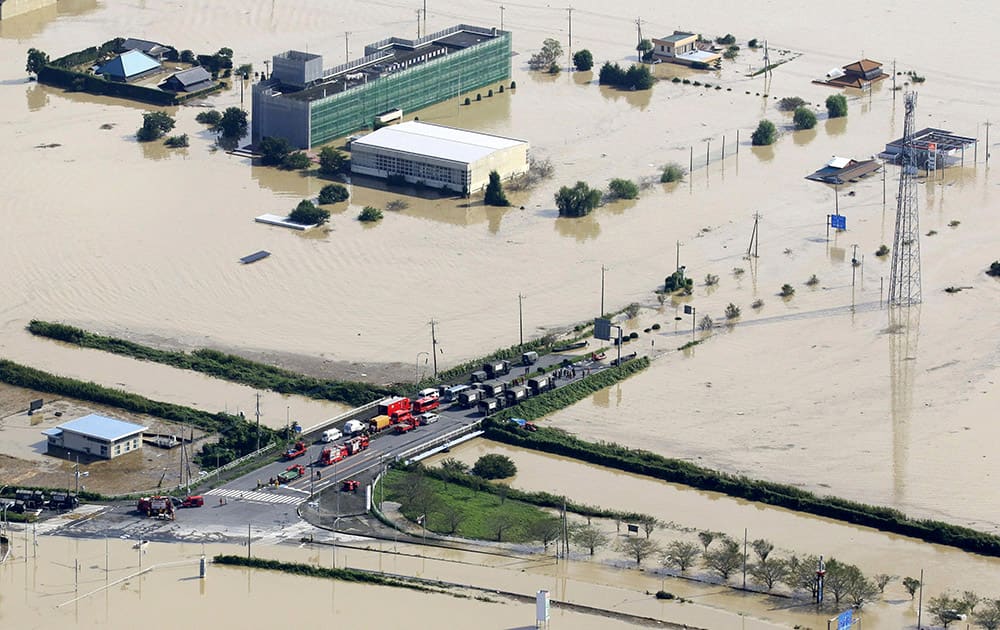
(129, 66)
(95, 435)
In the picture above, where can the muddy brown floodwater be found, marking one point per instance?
(105, 233)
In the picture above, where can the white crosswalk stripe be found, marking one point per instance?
(253, 495)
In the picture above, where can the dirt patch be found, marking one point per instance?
(23, 458)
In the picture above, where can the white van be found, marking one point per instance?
(354, 426)
(332, 434)
(430, 392)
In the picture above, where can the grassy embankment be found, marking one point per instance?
(219, 365)
(296, 568)
(642, 462)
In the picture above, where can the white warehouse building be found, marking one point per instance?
(95, 435)
(438, 156)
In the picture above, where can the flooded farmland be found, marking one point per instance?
(134, 240)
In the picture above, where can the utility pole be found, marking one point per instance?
(755, 235)
(638, 27)
(678, 268)
(425, 17)
(501, 16)
(418, 23)
(920, 601)
(894, 79)
(347, 46)
(520, 319)
(267, 67)
(988, 123)
(258, 422)
(603, 269)
(434, 347)
(569, 10)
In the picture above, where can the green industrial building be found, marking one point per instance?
(309, 106)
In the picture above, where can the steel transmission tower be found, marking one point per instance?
(904, 279)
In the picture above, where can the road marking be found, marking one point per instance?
(252, 495)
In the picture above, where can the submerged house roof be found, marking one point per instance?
(864, 65)
(190, 80)
(153, 49)
(128, 65)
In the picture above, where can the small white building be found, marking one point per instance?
(438, 156)
(96, 435)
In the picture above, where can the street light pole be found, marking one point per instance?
(603, 269)
(520, 319)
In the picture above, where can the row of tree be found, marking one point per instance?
(803, 117)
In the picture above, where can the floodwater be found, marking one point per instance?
(690, 511)
(141, 241)
(39, 592)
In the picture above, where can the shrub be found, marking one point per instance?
(370, 214)
(187, 56)
(210, 117)
(655, 326)
(732, 52)
(664, 595)
(954, 223)
(622, 189)
(883, 250)
(765, 134)
(727, 40)
(836, 106)
(812, 281)
(732, 311)
(583, 60)
(804, 118)
(273, 150)
(672, 172)
(397, 205)
(296, 161)
(154, 125)
(332, 161)
(577, 201)
(711, 280)
(675, 80)
(758, 303)
(633, 335)
(636, 77)
(176, 142)
(333, 193)
(494, 192)
(676, 281)
(790, 103)
(752, 43)
(494, 466)
(706, 323)
(994, 269)
(307, 213)
(787, 290)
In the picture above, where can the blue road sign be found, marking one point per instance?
(688, 309)
(845, 620)
(838, 221)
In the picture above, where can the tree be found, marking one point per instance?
(994, 269)
(187, 56)
(333, 193)
(452, 518)
(802, 574)
(307, 213)
(454, 466)
(494, 466)
(911, 585)
(725, 559)
(727, 40)
(36, 61)
(839, 576)
(787, 290)
(706, 537)
(548, 55)
(733, 311)
(764, 135)
(589, 537)
(577, 201)
(882, 580)
(273, 150)
(370, 214)
(211, 117)
(768, 573)
(332, 161)
(154, 125)
(681, 554)
(804, 118)
(860, 589)
(636, 77)
(177, 142)
(638, 548)
(650, 524)
(989, 616)
(645, 49)
(296, 161)
(233, 123)
(545, 530)
(836, 106)
(494, 191)
(944, 608)
(762, 549)
(225, 53)
(415, 492)
(501, 521)
(583, 60)
(623, 189)
(791, 103)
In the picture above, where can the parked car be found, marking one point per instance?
(428, 418)
(332, 434)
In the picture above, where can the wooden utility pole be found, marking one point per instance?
(258, 422)
(502, 8)
(347, 46)
(434, 347)
(520, 319)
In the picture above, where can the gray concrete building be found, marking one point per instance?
(95, 435)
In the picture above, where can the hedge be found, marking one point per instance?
(308, 570)
(219, 365)
(68, 79)
(649, 464)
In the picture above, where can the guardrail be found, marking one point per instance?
(347, 415)
(408, 454)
